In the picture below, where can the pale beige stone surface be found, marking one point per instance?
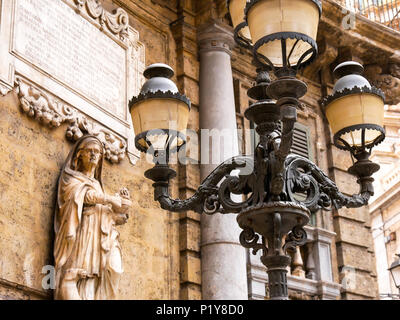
(352, 232)
(349, 255)
(346, 182)
(357, 214)
(360, 285)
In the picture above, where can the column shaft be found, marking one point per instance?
(223, 258)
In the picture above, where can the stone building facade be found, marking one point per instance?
(384, 206)
(172, 255)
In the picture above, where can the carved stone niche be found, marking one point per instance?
(387, 79)
(72, 61)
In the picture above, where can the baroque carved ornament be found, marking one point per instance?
(51, 112)
(116, 22)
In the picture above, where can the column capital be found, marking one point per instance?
(214, 36)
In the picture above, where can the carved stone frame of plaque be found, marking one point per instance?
(71, 61)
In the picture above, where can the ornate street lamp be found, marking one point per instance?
(395, 271)
(355, 113)
(272, 215)
(157, 106)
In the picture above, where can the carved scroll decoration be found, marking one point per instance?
(117, 22)
(52, 112)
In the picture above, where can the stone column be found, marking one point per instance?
(223, 258)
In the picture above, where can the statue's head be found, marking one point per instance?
(88, 152)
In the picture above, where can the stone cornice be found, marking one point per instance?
(374, 44)
(366, 35)
(325, 289)
(4, 89)
(26, 290)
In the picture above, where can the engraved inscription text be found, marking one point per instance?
(53, 37)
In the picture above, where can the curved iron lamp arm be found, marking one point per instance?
(303, 176)
(209, 197)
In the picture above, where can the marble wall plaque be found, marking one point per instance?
(77, 53)
(50, 35)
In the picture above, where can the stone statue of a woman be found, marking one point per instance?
(87, 252)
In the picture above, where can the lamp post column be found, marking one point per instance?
(223, 258)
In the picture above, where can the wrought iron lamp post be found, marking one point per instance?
(272, 215)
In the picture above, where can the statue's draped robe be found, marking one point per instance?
(87, 251)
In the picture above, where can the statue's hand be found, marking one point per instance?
(114, 201)
(120, 204)
(124, 193)
(126, 205)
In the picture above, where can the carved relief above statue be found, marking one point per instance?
(52, 112)
(388, 82)
(87, 251)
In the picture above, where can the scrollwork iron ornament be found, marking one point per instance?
(214, 194)
(297, 237)
(302, 175)
(249, 239)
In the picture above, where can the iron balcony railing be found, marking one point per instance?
(386, 12)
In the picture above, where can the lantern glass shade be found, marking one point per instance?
(154, 118)
(395, 271)
(293, 20)
(236, 9)
(355, 119)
